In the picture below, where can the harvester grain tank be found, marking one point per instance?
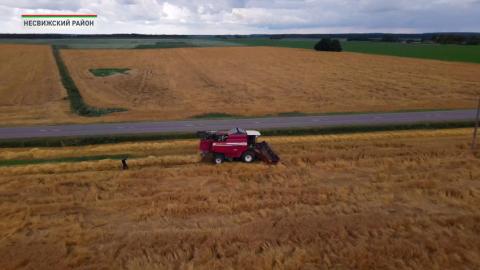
(235, 144)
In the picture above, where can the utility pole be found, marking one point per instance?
(475, 131)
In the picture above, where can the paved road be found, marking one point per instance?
(223, 124)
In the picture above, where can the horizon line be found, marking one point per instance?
(249, 34)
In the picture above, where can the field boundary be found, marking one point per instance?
(220, 115)
(77, 104)
(96, 140)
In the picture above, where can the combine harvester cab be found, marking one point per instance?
(235, 144)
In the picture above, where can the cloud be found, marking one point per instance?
(263, 16)
(176, 13)
(257, 16)
(42, 4)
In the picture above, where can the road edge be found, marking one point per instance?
(111, 139)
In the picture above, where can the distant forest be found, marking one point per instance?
(441, 38)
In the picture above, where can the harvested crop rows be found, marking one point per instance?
(30, 89)
(391, 200)
(181, 83)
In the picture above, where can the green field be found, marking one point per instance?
(459, 53)
(287, 43)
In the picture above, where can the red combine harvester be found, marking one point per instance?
(235, 144)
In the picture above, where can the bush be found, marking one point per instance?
(336, 46)
(328, 45)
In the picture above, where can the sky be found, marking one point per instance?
(252, 16)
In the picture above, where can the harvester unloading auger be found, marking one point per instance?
(235, 144)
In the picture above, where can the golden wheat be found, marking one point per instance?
(181, 83)
(30, 88)
(378, 200)
(177, 147)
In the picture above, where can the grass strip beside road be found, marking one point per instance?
(219, 115)
(215, 116)
(95, 140)
(77, 104)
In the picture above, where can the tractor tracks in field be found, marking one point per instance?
(197, 70)
(146, 75)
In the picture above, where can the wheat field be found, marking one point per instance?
(166, 84)
(388, 200)
(251, 81)
(30, 88)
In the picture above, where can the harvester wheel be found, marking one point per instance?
(218, 159)
(248, 157)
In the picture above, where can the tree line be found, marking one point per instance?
(456, 39)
